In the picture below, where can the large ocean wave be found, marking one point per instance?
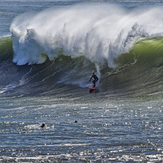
(58, 49)
(137, 73)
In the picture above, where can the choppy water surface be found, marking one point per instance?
(80, 132)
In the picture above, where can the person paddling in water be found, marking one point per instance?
(95, 79)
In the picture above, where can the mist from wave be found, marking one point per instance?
(99, 32)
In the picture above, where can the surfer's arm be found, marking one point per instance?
(90, 79)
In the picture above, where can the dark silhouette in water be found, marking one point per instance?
(43, 125)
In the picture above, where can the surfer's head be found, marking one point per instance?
(43, 125)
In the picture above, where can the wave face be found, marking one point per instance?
(138, 73)
(58, 49)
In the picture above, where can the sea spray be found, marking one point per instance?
(99, 32)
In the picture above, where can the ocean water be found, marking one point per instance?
(48, 52)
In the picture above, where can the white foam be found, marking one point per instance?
(99, 32)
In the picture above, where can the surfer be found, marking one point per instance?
(95, 79)
(43, 125)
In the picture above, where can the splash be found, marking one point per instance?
(98, 32)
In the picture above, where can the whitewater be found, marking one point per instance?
(48, 52)
(99, 32)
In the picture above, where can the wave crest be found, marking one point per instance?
(99, 32)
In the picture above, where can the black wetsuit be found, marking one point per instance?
(95, 79)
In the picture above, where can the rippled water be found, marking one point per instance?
(80, 132)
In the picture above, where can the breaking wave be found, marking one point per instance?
(56, 51)
(98, 32)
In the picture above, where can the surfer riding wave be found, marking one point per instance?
(95, 79)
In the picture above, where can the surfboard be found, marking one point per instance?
(91, 89)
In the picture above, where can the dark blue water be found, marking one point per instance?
(75, 131)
